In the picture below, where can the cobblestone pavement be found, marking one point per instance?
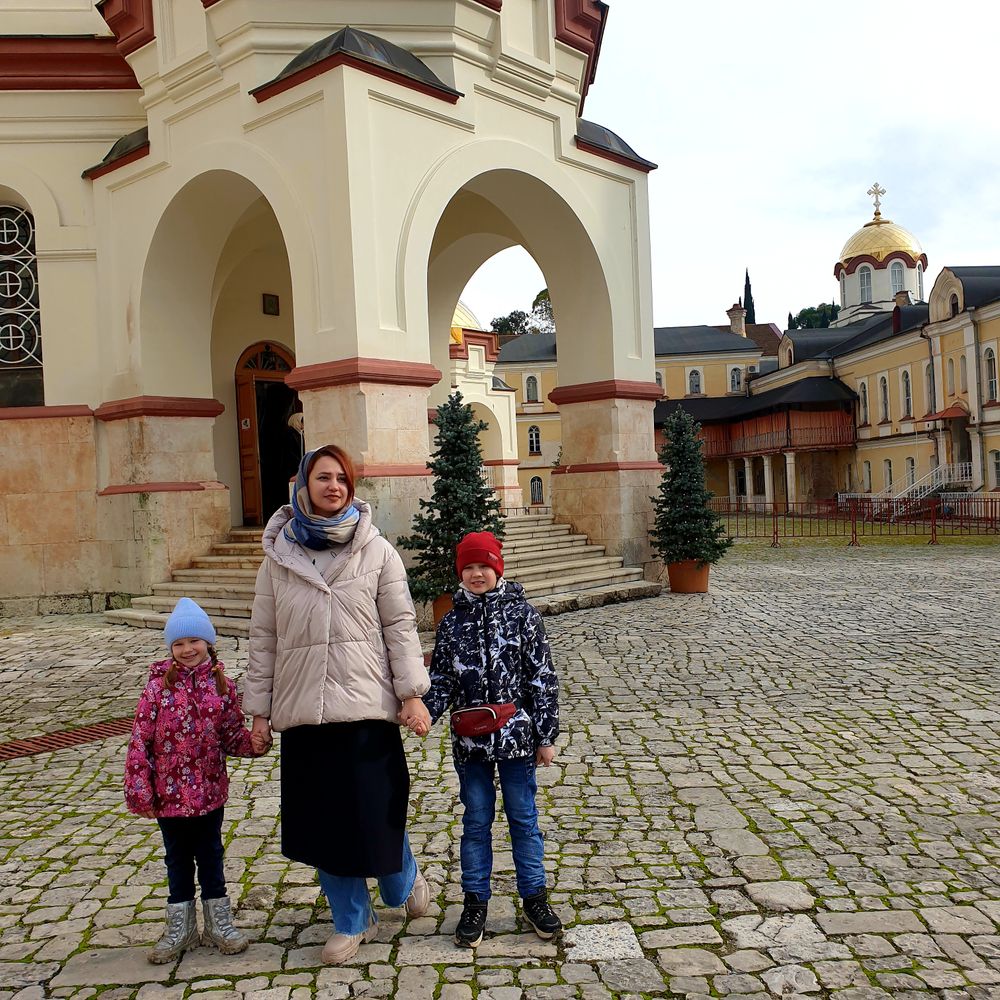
(787, 788)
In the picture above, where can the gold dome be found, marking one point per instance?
(878, 239)
(464, 318)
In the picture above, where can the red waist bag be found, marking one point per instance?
(481, 719)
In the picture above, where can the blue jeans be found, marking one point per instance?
(350, 903)
(479, 796)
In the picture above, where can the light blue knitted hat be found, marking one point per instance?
(188, 621)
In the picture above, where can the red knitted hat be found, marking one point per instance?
(479, 547)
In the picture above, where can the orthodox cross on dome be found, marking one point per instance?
(876, 192)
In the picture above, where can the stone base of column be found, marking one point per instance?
(503, 475)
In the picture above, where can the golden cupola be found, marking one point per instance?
(878, 240)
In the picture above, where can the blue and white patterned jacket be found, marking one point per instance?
(492, 648)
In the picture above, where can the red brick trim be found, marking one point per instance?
(613, 388)
(351, 371)
(158, 406)
(208, 3)
(502, 461)
(608, 467)
(131, 21)
(43, 412)
(176, 487)
(625, 161)
(580, 24)
(480, 338)
(879, 265)
(268, 90)
(386, 471)
(492, 4)
(92, 173)
(31, 63)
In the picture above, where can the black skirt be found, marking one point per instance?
(345, 789)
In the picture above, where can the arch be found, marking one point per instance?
(23, 187)
(863, 403)
(907, 394)
(537, 490)
(911, 471)
(534, 440)
(990, 371)
(951, 376)
(21, 371)
(953, 304)
(883, 398)
(736, 380)
(963, 373)
(929, 390)
(896, 275)
(887, 473)
(519, 196)
(920, 281)
(694, 382)
(531, 389)
(491, 443)
(865, 284)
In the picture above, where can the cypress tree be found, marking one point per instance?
(684, 527)
(748, 299)
(460, 502)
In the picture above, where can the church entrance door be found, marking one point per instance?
(270, 447)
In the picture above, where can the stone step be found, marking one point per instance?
(197, 589)
(595, 597)
(214, 607)
(217, 575)
(581, 580)
(543, 544)
(536, 531)
(144, 618)
(537, 570)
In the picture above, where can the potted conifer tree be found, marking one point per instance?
(461, 502)
(687, 535)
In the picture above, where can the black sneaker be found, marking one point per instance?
(472, 923)
(541, 916)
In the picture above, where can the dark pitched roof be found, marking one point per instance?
(698, 340)
(980, 285)
(368, 48)
(603, 138)
(528, 347)
(813, 343)
(130, 143)
(816, 391)
(765, 335)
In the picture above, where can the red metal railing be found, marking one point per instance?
(931, 517)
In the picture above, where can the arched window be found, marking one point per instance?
(963, 374)
(20, 322)
(536, 490)
(694, 382)
(911, 471)
(843, 289)
(896, 273)
(659, 379)
(995, 467)
(883, 398)
(920, 282)
(990, 364)
(953, 304)
(865, 277)
(863, 402)
(951, 376)
(531, 389)
(887, 473)
(866, 477)
(929, 387)
(736, 380)
(907, 395)
(534, 440)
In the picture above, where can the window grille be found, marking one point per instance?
(20, 320)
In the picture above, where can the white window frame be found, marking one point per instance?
(534, 448)
(995, 467)
(700, 391)
(866, 476)
(886, 473)
(865, 284)
(863, 404)
(920, 281)
(911, 470)
(896, 268)
(963, 373)
(990, 371)
(883, 400)
(906, 393)
(843, 289)
(735, 379)
(929, 387)
(528, 379)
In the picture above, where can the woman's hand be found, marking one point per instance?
(415, 717)
(260, 735)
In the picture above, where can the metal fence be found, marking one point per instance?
(856, 519)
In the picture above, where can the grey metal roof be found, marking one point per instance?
(528, 347)
(980, 285)
(604, 138)
(369, 48)
(669, 340)
(126, 144)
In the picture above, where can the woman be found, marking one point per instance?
(334, 657)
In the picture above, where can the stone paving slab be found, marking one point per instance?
(788, 787)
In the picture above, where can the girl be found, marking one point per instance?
(186, 722)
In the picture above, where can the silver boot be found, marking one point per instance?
(180, 932)
(219, 929)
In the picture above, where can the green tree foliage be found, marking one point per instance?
(814, 317)
(541, 313)
(684, 526)
(748, 299)
(518, 322)
(461, 501)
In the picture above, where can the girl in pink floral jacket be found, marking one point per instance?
(186, 723)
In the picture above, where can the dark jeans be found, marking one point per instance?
(479, 796)
(190, 841)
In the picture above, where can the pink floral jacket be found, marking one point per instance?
(176, 759)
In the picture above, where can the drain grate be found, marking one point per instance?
(49, 742)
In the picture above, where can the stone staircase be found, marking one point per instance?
(559, 570)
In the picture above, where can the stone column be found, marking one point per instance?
(505, 482)
(768, 479)
(376, 410)
(791, 485)
(976, 438)
(731, 462)
(609, 468)
(748, 474)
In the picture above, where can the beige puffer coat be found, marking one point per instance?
(331, 653)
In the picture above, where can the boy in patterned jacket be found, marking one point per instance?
(491, 649)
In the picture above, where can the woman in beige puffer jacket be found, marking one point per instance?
(334, 657)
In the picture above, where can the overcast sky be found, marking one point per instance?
(769, 122)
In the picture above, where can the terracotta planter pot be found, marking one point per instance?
(687, 578)
(441, 606)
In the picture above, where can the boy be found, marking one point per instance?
(491, 650)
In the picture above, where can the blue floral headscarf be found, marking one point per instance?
(311, 530)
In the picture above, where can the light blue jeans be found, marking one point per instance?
(350, 901)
